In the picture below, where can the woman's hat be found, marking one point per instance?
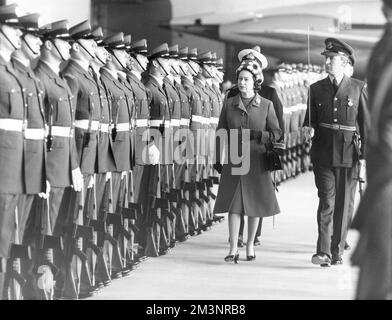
(252, 54)
(254, 67)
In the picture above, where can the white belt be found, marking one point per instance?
(206, 120)
(175, 122)
(61, 131)
(184, 122)
(11, 124)
(35, 134)
(83, 124)
(104, 127)
(122, 126)
(141, 122)
(166, 123)
(155, 123)
(214, 120)
(198, 119)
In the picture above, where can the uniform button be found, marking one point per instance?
(335, 99)
(26, 105)
(335, 109)
(335, 120)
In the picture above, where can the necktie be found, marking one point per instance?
(335, 85)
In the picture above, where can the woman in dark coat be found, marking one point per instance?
(249, 191)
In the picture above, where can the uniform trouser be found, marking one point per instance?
(258, 231)
(8, 203)
(334, 186)
(140, 189)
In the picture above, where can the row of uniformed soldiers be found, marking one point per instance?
(102, 160)
(292, 82)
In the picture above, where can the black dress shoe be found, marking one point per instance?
(321, 259)
(347, 246)
(251, 258)
(337, 261)
(116, 275)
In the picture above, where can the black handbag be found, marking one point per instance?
(272, 154)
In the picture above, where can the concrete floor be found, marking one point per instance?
(195, 269)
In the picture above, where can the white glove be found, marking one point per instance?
(91, 182)
(153, 154)
(77, 180)
(123, 174)
(308, 133)
(43, 194)
(108, 176)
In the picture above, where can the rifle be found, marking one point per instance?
(357, 146)
(18, 252)
(47, 243)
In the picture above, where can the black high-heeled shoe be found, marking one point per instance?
(251, 258)
(232, 258)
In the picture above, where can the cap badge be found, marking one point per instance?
(329, 45)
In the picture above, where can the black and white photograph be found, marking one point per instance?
(195, 157)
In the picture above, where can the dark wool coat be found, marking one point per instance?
(258, 195)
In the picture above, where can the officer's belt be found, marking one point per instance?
(59, 131)
(157, 123)
(104, 127)
(11, 125)
(122, 126)
(35, 134)
(83, 124)
(214, 120)
(175, 122)
(198, 119)
(337, 126)
(141, 123)
(206, 120)
(184, 122)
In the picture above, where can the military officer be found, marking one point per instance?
(161, 131)
(34, 153)
(137, 64)
(121, 113)
(337, 115)
(13, 119)
(87, 116)
(62, 165)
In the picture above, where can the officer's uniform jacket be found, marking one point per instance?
(34, 142)
(121, 116)
(174, 101)
(186, 114)
(87, 116)
(196, 111)
(160, 115)
(105, 145)
(348, 107)
(12, 114)
(206, 112)
(59, 107)
(130, 100)
(142, 115)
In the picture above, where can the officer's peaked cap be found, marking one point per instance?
(9, 14)
(81, 31)
(115, 41)
(97, 33)
(173, 51)
(57, 29)
(335, 47)
(204, 58)
(192, 54)
(183, 53)
(30, 23)
(128, 41)
(161, 51)
(139, 47)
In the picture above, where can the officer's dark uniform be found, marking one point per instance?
(337, 118)
(12, 120)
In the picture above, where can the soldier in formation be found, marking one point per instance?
(105, 154)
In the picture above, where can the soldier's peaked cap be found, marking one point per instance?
(183, 53)
(97, 33)
(192, 54)
(139, 47)
(219, 63)
(173, 51)
(335, 46)
(57, 29)
(204, 58)
(161, 51)
(30, 23)
(81, 31)
(9, 14)
(128, 41)
(252, 54)
(213, 58)
(115, 41)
